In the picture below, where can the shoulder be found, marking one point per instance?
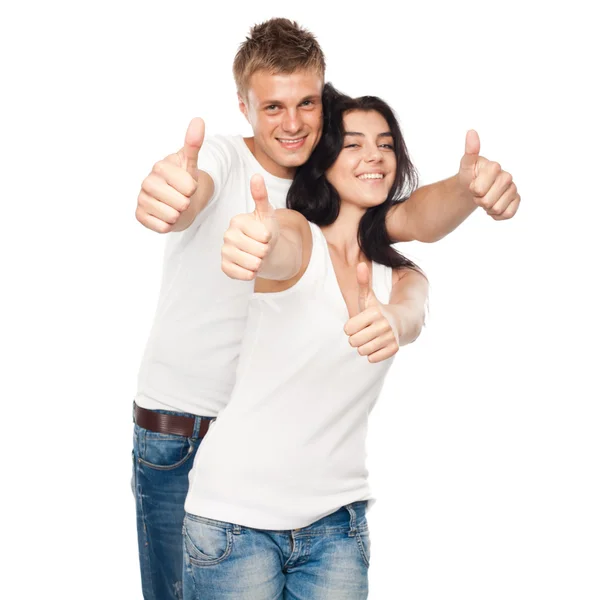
(226, 145)
(295, 222)
(398, 274)
(299, 232)
(408, 276)
(219, 158)
(292, 218)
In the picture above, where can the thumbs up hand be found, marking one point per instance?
(492, 188)
(372, 332)
(167, 191)
(251, 236)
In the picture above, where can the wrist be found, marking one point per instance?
(461, 186)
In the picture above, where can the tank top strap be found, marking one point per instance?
(318, 238)
(319, 260)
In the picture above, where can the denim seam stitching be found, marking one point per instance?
(169, 467)
(207, 521)
(199, 562)
(147, 543)
(362, 549)
(330, 531)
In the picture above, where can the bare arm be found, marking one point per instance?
(379, 330)
(290, 254)
(433, 211)
(407, 306)
(268, 243)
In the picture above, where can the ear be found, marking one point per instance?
(243, 106)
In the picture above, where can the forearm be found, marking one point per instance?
(198, 202)
(408, 305)
(285, 258)
(431, 212)
(187, 217)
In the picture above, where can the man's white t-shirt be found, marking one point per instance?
(191, 356)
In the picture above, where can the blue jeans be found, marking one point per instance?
(161, 463)
(327, 560)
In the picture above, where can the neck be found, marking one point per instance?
(342, 234)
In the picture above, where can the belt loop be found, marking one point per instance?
(236, 529)
(196, 432)
(353, 529)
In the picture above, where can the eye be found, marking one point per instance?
(272, 107)
(307, 103)
(351, 146)
(387, 146)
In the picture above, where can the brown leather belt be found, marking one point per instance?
(173, 424)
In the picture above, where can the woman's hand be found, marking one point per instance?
(379, 330)
(250, 237)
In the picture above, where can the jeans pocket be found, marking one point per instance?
(364, 545)
(207, 542)
(163, 451)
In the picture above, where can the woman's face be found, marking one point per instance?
(364, 171)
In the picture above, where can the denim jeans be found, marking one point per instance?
(161, 464)
(327, 560)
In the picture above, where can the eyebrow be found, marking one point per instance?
(313, 97)
(385, 134)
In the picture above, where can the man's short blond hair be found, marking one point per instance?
(277, 46)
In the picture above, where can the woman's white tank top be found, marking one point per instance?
(289, 447)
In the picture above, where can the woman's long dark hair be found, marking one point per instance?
(313, 196)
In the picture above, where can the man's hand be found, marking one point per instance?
(250, 237)
(373, 331)
(168, 190)
(492, 188)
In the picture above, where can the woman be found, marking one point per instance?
(278, 492)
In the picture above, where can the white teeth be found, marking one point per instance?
(371, 176)
(289, 141)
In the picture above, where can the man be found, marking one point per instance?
(188, 369)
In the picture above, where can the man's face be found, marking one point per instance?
(285, 113)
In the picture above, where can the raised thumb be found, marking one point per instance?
(194, 138)
(472, 147)
(364, 285)
(258, 190)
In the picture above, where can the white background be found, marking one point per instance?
(484, 448)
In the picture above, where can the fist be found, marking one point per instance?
(167, 191)
(250, 237)
(371, 331)
(491, 187)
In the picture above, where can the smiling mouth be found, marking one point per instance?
(371, 177)
(292, 143)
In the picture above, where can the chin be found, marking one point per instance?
(372, 202)
(294, 160)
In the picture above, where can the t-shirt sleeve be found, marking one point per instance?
(215, 158)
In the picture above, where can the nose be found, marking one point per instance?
(373, 154)
(292, 122)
